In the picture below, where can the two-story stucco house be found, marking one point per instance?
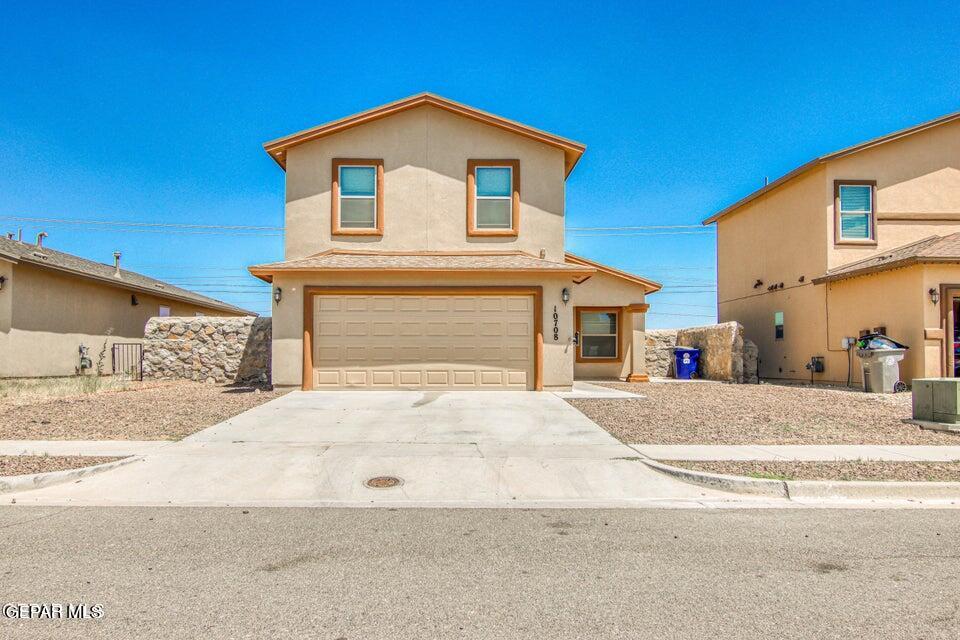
(861, 240)
(425, 249)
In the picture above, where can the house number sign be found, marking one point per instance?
(556, 328)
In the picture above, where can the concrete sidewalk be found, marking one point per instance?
(81, 447)
(800, 453)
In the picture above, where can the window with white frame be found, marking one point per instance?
(358, 196)
(164, 311)
(494, 198)
(856, 211)
(599, 334)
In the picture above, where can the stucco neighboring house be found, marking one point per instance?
(863, 239)
(53, 302)
(425, 249)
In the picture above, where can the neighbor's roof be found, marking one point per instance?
(932, 250)
(649, 285)
(46, 257)
(277, 148)
(406, 261)
(836, 155)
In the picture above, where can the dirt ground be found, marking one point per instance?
(715, 413)
(847, 470)
(145, 411)
(22, 465)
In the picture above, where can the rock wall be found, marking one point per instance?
(659, 353)
(208, 349)
(724, 353)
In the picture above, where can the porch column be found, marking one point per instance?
(636, 318)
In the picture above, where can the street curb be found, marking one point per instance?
(872, 490)
(10, 484)
(733, 484)
(814, 489)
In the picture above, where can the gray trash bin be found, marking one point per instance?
(880, 358)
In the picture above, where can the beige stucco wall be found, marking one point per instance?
(52, 314)
(919, 174)
(789, 233)
(425, 152)
(6, 312)
(603, 290)
(288, 318)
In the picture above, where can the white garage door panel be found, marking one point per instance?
(383, 342)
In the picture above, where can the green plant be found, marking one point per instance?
(103, 352)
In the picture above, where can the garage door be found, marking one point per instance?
(423, 341)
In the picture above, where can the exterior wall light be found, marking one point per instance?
(934, 295)
(277, 295)
(565, 295)
(3, 280)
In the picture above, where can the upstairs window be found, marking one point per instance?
(357, 207)
(493, 197)
(855, 211)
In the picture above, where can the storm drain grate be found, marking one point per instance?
(383, 482)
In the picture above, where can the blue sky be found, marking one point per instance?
(156, 112)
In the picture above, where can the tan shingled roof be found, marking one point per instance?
(490, 261)
(934, 249)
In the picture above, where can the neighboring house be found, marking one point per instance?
(52, 302)
(425, 249)
(864, 239)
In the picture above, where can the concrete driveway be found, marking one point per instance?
(449, 448)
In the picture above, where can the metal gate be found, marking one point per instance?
(128, 359)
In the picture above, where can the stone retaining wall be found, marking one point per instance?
(724, 353)
(208, 349)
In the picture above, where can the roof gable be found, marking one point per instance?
(649, 285)
(836, 155)
(572, 150)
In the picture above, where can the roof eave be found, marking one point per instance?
(836, 155)
(267, 273)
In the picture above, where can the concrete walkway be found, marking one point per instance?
(468, 449)
(792, 452)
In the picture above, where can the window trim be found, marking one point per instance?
(472, 230)
(335, 228)
(872, 220)
(577, 312)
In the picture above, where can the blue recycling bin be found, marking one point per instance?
(685, 362)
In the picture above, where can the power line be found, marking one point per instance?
(642, 233)
(682, 315)
(121, 223)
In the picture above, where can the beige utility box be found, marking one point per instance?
(937, 400)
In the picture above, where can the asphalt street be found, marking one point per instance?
(412, 573)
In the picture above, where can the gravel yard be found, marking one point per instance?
(144, 411)
(23, 465)
(847, 470)
(715, 413)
